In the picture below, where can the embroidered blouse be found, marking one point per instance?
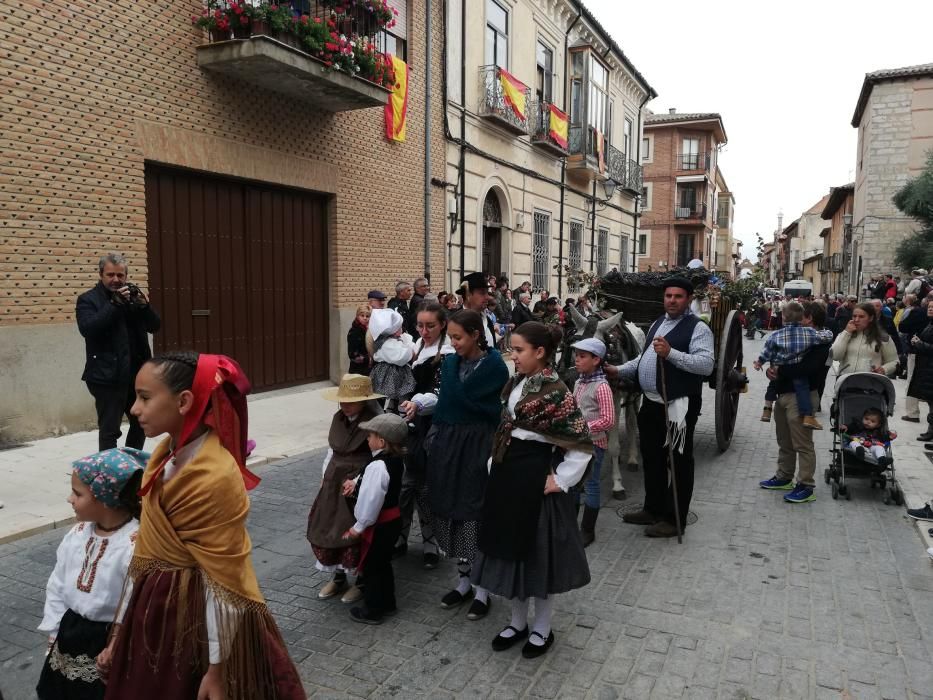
(88, 575)
(571, 469)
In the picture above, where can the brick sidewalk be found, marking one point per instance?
(763, 600)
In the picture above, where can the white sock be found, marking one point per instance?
(544, 609)
(481, 594)
(519, 618)
(463, 574)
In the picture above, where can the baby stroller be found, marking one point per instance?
(855, 393)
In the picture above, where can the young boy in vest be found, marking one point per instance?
(594, 397)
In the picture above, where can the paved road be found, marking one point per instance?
(763, 600)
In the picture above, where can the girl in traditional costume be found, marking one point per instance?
(392, 351)
(530, 546)
(430, 350)
(378, 519)
(459, 446)
(196, 625)
(83, 593)
(347, 454)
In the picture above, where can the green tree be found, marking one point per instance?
(916, 199)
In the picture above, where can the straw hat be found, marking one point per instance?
(353, 388)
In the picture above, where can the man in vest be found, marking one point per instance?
(474, 288)
(684, 344)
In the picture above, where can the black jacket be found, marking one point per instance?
(356, 349)
(521, 314)
(116, 343)
(407, 311)
(921, 383)
(912, 324)
(812, 366)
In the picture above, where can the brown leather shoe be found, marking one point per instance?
(661, 528)
(639, 517)
(811, 423)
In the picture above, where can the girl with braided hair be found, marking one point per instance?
(196, 625)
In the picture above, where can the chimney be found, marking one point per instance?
(780, 221)
(672, 110)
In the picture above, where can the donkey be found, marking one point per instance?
(624, 341)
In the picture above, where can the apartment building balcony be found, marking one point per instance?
(692, 162)
(506, 107)
(831, 263)
(690, 215)
(542, 135)
(627, 173)
(267, 63)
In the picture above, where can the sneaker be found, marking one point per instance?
(800, 494)
(811, 423)
(776, 483)
(353, 594)
(766, 414)
(925, 513)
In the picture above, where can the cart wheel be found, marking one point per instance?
(826, 475)
(835, 490)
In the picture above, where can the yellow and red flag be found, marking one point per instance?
(601, 151)
(397, 106)
(557, 126)
(513, 90)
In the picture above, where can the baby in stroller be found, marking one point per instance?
(871, 437)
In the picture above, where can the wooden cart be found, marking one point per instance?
(643, 303)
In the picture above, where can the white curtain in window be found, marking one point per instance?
(401, 21)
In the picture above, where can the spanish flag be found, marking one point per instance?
(557, 126)
(513, 90)
(601, 151)
(397, 106)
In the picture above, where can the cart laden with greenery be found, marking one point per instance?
(640, 297)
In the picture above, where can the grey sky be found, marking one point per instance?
(785, 78)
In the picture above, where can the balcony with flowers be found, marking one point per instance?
(321, 52)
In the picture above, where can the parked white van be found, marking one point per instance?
(798, 288)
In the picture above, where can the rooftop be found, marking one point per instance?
(889, 75)
(673, 117)
(837, 196)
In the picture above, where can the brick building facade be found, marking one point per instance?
(100, 100)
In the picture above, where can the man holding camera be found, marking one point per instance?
(115, 317)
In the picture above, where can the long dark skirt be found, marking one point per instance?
(69, 672)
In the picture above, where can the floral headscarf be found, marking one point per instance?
(107, 472)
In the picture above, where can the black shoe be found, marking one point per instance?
(430, 560)
(925, 513)
(400, 550)
(366, 616)
(454, 599)
(500, 643)
(533, 651)
(925, 437)
(478, 610)
(860, 452)
(588, 525)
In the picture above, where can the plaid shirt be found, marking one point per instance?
(787, 345)
(607, 415)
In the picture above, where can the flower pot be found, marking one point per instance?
(219, 34)
(261, 28)
(242, 32)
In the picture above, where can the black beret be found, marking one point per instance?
(681, 282)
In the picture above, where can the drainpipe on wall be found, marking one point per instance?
(429, 47)
(593, 226)
(641, 109)
(463, 141)
(563, 171)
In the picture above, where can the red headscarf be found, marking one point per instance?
(220, 388)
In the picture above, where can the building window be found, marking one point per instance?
(624, 258)
(545, 76)
(643, 244)
(684, 249)
(598, 108)
(575, 256)
(646, 191)
(602, 252)
(690, 155)
(627, 138)
(646, 149)
(497, 35)
(540, 251)
(395, 41)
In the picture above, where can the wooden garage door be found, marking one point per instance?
(239, 268)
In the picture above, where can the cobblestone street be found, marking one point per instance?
(763, 600)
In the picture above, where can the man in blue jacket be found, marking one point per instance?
(115, 319)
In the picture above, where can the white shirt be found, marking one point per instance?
(571, 469)
(372, 494)
(428, 400)
(396, 351)
(88, 576)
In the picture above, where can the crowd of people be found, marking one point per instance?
(154, 594)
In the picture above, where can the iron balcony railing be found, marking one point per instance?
(697, 211)
(616, 168)
(692, 161)
(495, 106)
(835, 263)
(625, 172)
(541, 129)
(634, 176)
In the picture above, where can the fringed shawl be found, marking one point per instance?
(475, 399)
(546, 407)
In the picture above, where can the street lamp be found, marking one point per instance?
(847, 220)
(609, 187)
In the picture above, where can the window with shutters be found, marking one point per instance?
(540, 251)
(602, 252)
(575, 258)
(395, 40)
